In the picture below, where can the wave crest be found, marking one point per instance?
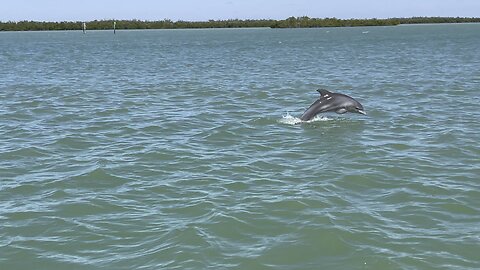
(292, 120)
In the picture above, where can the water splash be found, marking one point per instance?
(292, 120)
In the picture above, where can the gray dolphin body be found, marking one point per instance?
(329, 102)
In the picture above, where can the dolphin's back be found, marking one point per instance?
(323, 104)
(332, 102)
(328, 102)
(311, 111)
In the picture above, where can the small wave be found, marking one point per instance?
(292, 120)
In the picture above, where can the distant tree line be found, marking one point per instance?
(292, 22)
(306, 22)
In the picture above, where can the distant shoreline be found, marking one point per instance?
(291, 22)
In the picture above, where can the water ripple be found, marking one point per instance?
(195, 158)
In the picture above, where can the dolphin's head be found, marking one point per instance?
(356, 107)
(359, 109)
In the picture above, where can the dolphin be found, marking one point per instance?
(329, 102)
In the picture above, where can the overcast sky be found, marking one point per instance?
(195, 10)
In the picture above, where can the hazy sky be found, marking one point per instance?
(191, 10)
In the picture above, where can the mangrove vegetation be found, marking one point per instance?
(292, 22)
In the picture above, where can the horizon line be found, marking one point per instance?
(237, 19)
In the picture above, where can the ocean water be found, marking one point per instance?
(182, 149)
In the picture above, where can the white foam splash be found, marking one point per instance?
(292, 120)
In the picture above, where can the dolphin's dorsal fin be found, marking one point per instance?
(324, 92)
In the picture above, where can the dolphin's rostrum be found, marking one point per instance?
(329, 102)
